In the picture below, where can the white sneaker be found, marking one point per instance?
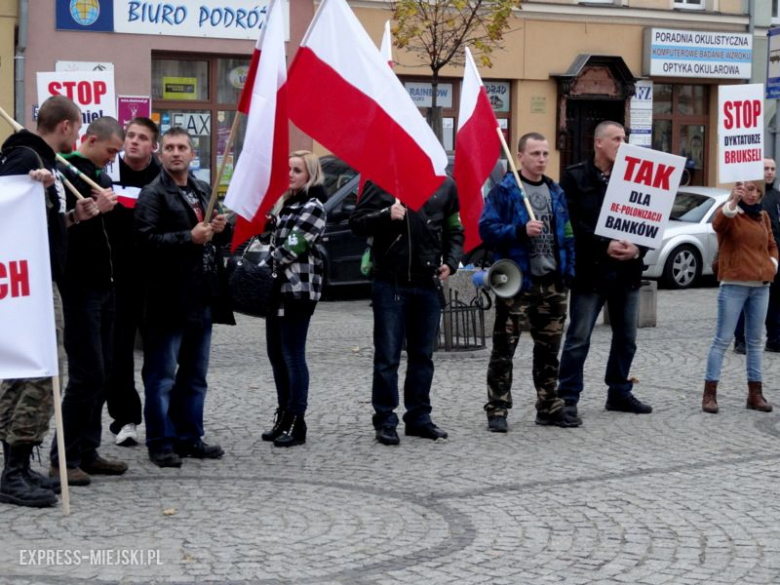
(127, 436)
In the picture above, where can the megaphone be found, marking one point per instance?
(504, 278)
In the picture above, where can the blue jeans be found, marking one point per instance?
(772, 319)
(623, 304)
(733, 299)
(89, 331)
(173, 410)
(286, 345)
(411, 312)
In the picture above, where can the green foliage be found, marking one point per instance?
(438, 30)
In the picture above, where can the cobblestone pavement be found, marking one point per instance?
(677, 497)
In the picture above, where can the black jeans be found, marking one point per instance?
(89, 323)
(400, 312)
(286, 345)
(124, 403)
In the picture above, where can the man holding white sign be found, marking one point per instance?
(26, 402)
(605, 271)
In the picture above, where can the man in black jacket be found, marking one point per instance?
(412, 253)
(26, 404)
(137, 167)
(185, 293)
(605, 271)
(88, 301)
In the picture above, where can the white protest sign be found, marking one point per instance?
(740, 132)
(640, 195)
(28, 342)
(93, 92)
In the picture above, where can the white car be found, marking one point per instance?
(689, 244)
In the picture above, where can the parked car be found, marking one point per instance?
(344, 250)
(689, 243)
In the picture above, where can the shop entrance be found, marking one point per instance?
(582, 117)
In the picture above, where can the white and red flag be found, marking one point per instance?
(476, 150)
(387, 45)
(262, 174)
(343, 94)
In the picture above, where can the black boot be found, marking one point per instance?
(276, 430)
(293, 431)
(14, 487)
(36, 479)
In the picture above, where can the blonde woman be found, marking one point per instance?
(747, 264)
(298, 268)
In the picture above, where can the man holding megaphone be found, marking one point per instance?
(543, 249)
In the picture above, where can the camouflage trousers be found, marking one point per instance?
(26, 404)
(542, 310)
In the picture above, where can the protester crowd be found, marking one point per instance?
(138, 249)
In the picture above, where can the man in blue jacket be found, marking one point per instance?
(544, 250)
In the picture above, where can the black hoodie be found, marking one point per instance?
(22, 153)
(89, 263)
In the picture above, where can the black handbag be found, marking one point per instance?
(250, 285)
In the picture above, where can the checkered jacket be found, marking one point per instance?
(295, 245)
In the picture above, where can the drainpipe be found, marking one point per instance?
(21, 47)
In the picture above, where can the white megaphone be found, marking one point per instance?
(504, 278)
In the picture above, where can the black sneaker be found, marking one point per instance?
(387, 435)
(198, 450)
(556, 419)
(165, 458)
(740, 348)
(628, 403)
(570, 411)
(497, 424)
(426, 431)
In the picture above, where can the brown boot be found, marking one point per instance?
(709, 402)
(756, 400)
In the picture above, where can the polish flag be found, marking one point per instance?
(476, 150)
(343, 94)
(387, 45)
(262, 174)
(126, 196)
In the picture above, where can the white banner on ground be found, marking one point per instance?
(640, 195)
(740, 132)
(28, 341)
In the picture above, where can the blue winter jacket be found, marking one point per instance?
(502, 228)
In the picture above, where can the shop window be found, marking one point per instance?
(690, 4)
(200, 94)
(680, 126)
(775, 12)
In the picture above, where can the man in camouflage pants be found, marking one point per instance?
(543, 249)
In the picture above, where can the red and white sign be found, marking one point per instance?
(93, 92)
(740, 132)
(28, 342)
(640, 195)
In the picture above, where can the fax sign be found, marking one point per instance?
(196, 124)
(773, 65)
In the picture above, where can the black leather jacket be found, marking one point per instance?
(179, 284)
(585, 188)
(410, 251)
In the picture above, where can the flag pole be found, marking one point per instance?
(17, 127)
(512, 166)
(64, 494)
(221, 170)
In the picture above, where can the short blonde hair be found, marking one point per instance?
(312, 163)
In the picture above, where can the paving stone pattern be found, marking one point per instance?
(678, 497)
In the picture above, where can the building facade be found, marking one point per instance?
(653, 65)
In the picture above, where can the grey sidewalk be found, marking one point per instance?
(677, 497)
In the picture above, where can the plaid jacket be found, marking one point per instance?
(295, 245)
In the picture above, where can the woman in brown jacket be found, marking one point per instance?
(747, 263)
